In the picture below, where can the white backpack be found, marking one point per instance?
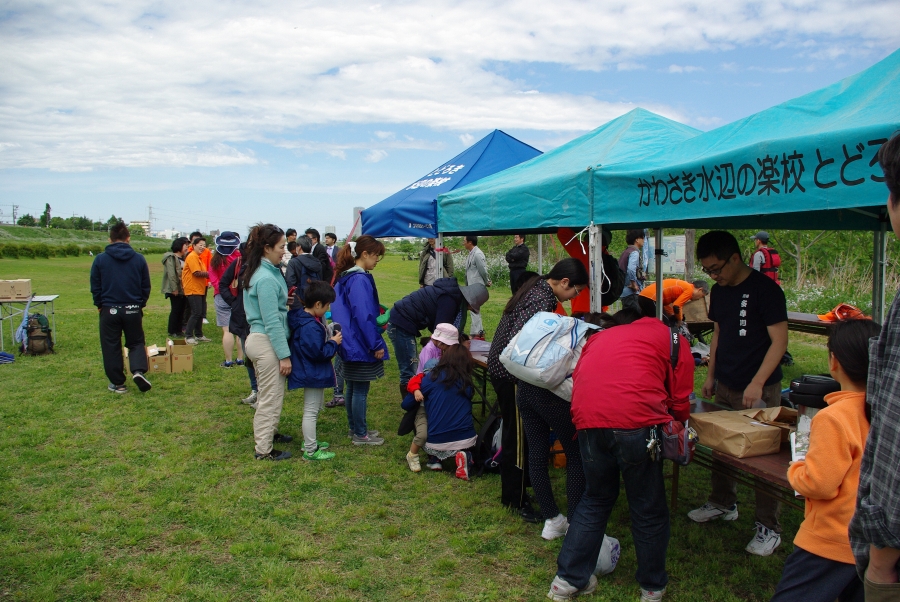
(544, 352)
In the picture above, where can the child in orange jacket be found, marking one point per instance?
(822, 567)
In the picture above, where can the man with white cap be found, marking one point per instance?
(444, 302)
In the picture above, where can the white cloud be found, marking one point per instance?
(467, 139)
(375, 155)
(684, 69)
(92, 84)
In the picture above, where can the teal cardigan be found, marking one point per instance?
(266, 305)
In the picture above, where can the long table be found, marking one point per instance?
(480, 379)
(767, 474)
(798, 322)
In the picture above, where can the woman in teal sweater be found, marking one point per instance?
(265, 302)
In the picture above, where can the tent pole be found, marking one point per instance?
(595, 254)
(658, 251)
(540, 253)
(439, 258)
(879, 272)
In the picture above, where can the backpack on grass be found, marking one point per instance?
(38, 336)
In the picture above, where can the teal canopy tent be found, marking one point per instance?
(808, 163)
(554, 189)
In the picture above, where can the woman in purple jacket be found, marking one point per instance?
(363, 350)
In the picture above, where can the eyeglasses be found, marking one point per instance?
(714, 271)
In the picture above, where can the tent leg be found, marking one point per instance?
(879, 273)
(659, 275)
(540, 253)
(595, 253)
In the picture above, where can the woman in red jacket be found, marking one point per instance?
(624, 386)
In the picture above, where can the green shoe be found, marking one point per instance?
(322, 444)
(320, 454)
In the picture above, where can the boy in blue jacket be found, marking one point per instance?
(311, 353)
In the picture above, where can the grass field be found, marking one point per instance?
(157, 496)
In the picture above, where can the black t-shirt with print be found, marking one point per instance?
(743, 313)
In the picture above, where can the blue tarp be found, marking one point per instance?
(412, 211)
(554, 189)
(808, 163)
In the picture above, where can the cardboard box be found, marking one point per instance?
(6, 289)
(736, 434)
(695, 311)
(158, 360)
(780, 417)
(181, 355)
(21, 289)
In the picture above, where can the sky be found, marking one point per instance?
(220, 114)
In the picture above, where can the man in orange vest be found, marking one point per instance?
(676, 293)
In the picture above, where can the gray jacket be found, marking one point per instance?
(476, 267)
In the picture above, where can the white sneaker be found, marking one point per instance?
(561, 590)
(555, 527)
(648, 595)
(413, 461)
(708, 512)
(191, 341)
(205, 321)
(765, 542)
(250, 399)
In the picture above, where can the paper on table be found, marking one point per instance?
(479, 346)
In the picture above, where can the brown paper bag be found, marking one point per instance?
(735, 434)
(781, 417)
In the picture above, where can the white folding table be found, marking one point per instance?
(10, 309)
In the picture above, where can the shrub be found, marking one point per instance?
(72, 250)
(42, 250)
(9, 251)
(26, 251)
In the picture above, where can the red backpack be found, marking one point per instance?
(770, 264)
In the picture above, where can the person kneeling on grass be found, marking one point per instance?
(444, 336)
(446, 392)
(822, 567)
(311, 353)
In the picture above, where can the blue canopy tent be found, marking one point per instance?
(806, 164)
(412, 211)
(554, 190)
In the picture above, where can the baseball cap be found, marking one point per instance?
(761, 236)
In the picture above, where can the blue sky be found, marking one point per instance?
(220, 115)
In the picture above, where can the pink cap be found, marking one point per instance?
(446, 333)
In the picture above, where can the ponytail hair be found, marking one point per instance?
(261, 236)
(353, 250)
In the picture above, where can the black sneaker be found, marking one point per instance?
(141, 381)
(280, 438)
(273, 455)
(530, 515)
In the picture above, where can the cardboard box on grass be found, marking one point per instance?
(181, 354)
(158, 360)
(6, 289)
(744, 433)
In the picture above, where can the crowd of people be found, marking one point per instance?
(272, 295)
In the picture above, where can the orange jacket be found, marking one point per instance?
(582, 303)
(829, 477)
(675, 294)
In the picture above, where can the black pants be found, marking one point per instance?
(194, 326)
(816, 579)
(114, 321)
(513, 480)
(514, 283)
(178, 303)
(205, 291)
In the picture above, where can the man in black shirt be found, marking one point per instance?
(517, 258)
(749, 340)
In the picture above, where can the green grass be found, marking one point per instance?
(84, 238)
(157, 497)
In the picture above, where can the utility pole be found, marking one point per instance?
(150, 218)
(15, 212)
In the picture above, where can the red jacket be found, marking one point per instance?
(624, 379)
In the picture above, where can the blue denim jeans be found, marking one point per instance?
(405, 352)
(356, 393)
(605, 454)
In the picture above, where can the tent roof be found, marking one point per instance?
(412, 211)
(554, 189)
(804, 164)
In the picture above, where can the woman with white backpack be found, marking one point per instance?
(540, 409)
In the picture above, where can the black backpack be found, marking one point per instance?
(38, 336)
(487, 455)
(612, 290)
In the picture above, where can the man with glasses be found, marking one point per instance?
(749, 340)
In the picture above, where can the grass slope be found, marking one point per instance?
(157, 497)
(55, 237)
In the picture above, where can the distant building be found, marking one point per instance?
(214, 233)
(329, 229)
(144, 226)
(356, 230)
(168, 234)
